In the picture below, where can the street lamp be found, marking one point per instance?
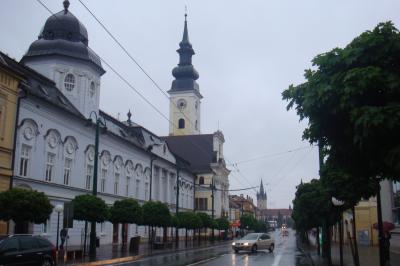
(58, 209)
(339, 203)
(100, 122)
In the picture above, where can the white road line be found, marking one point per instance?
(277, 260)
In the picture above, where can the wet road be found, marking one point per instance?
(285, 254)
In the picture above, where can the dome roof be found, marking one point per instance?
(64, 25)
(63, 34)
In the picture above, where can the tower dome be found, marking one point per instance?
(64, 35)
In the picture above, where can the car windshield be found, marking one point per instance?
(250, 237)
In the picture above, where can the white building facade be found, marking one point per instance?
(55, 141)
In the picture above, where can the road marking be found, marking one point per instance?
(202, 261)
(277, 260)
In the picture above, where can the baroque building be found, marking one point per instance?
(55, 139)
(204, 152)
(9, 84)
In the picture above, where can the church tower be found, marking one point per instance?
(262, 198)
(184, 93)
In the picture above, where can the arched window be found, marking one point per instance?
(69, 82)
(181, 123)
(201, 180)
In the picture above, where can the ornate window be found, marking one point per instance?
(181, 123)
(89, 176)
(116, 184)
(146, 191)
(137, 189)
(50, 166)
(128, 182)
(103, 180)
(24, 160)
(69, 82)
(67, 171)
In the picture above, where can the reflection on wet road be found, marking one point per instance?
(285, 254)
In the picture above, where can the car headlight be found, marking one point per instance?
(233, 243)
(246, 244)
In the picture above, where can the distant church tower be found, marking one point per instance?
(184, 93)
(262, 198)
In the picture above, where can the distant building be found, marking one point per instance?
(275, 214)
(246, 204)
(262, 198)
(9, 86)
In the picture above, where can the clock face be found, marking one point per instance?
(181, 104)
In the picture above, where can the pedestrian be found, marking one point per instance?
(63, 236)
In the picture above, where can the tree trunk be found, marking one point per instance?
(357, 259)
(186, 236)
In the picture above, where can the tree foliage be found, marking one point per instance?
(205, 219)
(312, 206)
(156, 213)
(126, 211)
(247, 221)
(351, 100)
(21, 205)
(90, 208)
(222, 223)
(189, 220)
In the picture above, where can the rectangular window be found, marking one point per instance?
(103, 180)
(67, 171)
(201, 204)
(164, 185)
(50, 166)
(24, 161)
(137, 189)
(146, 191)
(116, 184)
(89, 176)
(46, 227)
(102, 227)
(156, 188)
(128, 182)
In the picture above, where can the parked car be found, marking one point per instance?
(26, 250)
(253, 242)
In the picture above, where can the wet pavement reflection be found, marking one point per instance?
(285, 254)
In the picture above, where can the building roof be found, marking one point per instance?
(196, 149)
(40, 86)
(64, 35)
(275, 212)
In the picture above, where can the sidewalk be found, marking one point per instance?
(110, 254)
(369, 255)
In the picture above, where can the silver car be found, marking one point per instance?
(253, 242)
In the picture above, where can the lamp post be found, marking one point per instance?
(100, 122)
(339, 203)
(59, 208)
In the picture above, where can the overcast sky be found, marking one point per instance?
(247, 53)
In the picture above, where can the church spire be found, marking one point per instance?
(261, 188)
(185, 74)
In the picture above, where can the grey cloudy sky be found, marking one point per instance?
(247, 53)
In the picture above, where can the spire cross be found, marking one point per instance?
(185, 12)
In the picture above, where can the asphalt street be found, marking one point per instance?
(285, 254)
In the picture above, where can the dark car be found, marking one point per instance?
(26, 250)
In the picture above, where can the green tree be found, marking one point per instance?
(247, 221)
(156, 214)
(89, 208)
(222, 224)
(205, 220)
(189, 221)
(126, 211)
(351, 101)
(21, 206)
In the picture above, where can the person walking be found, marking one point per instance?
(63, 236)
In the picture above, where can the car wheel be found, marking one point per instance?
(236, 251)
(254, 248)
(271, 248)
(47, 262)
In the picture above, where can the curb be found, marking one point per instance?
(137, 257)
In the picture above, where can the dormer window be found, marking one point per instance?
(92, 90)
(69, 82)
